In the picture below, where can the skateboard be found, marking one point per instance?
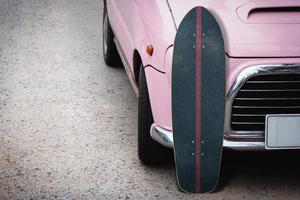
(198, 101)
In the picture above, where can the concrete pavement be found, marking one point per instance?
(68, 123)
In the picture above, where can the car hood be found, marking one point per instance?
(252, 28)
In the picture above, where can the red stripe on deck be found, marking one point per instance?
(198, 102)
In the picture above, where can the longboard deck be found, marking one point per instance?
(198, 101)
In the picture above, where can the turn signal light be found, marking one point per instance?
(150, 50)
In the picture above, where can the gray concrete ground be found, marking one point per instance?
(68, 123)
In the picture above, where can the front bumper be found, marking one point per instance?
(237, 140)
(165, 137)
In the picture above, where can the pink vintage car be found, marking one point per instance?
(262, 45)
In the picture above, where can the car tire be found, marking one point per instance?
(110, 53)
(150, 152)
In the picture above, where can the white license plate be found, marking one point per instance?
(282, 132)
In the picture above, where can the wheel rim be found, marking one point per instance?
(105, 29)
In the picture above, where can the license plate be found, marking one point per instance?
(282, 132)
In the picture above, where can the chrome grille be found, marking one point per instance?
(262, 95)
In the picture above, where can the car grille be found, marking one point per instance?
(262, 95)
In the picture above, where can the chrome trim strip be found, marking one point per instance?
(244, 146)
(239, 82)
(165, 137)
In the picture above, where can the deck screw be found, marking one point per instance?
(203, 34)
(193, 141)
(194, 46)
(202, 154)
(194, 35)
(193, 154)
(202, 142)
(203, 46)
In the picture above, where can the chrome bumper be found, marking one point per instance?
(165, 137)
(162, 136)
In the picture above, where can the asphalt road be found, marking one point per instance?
(68, 123)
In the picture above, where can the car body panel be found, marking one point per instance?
(139, 23)
(250, 39)
(135, 30)
(251, 28)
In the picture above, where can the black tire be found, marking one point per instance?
(110, 53)
(150, 152)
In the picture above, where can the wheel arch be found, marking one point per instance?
(137, 61)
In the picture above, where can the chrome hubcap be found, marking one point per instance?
(105, 29)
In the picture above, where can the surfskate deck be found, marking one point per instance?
(198, 101)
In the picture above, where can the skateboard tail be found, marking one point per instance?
(198, 99)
